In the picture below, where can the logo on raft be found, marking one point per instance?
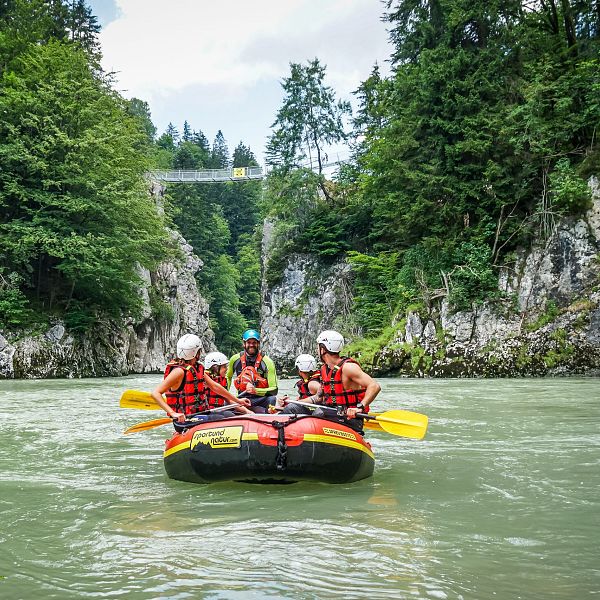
(343, 434)
(220, 437)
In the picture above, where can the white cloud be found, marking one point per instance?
(162, 49)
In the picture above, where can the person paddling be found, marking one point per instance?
(344, 385)
(253, 373)
(185, 384)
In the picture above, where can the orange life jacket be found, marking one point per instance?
(334, 393)
(214, 399)
(190, 397)
(249, 374)
(302, 385)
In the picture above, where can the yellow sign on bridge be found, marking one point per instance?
(239, 172)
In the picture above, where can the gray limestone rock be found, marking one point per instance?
(141, 345)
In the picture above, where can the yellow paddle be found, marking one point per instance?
(138, 399)
(148, 425)
(403, 423)
(158, 422)
(397, 422)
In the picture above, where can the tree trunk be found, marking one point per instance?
(569, 25)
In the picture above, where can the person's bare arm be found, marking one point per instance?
(314, 386)
(173, 380)
(360, 379)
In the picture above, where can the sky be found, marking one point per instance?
(219, 65)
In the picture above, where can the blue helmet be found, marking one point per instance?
(251, 334)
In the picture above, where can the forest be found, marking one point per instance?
(480, 139)
(76, 216)
(482, 135)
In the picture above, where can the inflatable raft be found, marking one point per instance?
(269, 449)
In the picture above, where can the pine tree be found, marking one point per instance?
(219, 158)
(187, 132)
(309, 120)
(243, 156)
(83, 26)
(141, 111)
(203, 146)
(169, 139)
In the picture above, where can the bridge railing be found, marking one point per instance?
(208, 176)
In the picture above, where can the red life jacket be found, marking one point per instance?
(302, 385)
(249, 374)
(190, 397)
(214, 399)
(334, 393)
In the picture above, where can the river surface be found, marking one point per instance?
(500, 500)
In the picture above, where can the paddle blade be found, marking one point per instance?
(372, 425)
(138, 399)
(147, 425)
(404, 423)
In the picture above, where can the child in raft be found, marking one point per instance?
(308, 385)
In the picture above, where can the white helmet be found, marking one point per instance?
(332, 340)
(306, 363)
(215, 358)
(188, 346)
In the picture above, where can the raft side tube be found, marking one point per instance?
(250, 449)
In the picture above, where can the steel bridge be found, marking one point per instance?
(209, 176)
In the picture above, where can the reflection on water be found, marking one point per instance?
(500, 500)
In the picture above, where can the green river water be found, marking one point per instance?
(500, 500)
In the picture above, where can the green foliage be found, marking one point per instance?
(309, 120)
(473, 280)
(37, 22)
(248, 290)
(550, 313)
(75, 214)
(323, 236)
(219, 156)
(367, 348)
(570, 194)
(81, 316)
(223, 280)
(162, 311)
(14, 306)
(141, 111)
(375, 289)
(243, 156)
(562, 351)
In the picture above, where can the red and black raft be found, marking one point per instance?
(269, 449)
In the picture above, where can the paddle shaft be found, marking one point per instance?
(158, 422)
(396, 426)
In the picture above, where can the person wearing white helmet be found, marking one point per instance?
(185, 383)
(344, 385)
(309, 382)
(215, 364)
(308, 385)
(253, 373)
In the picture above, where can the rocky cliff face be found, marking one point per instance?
(172, 306)
(311, 297)
(549, 323)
